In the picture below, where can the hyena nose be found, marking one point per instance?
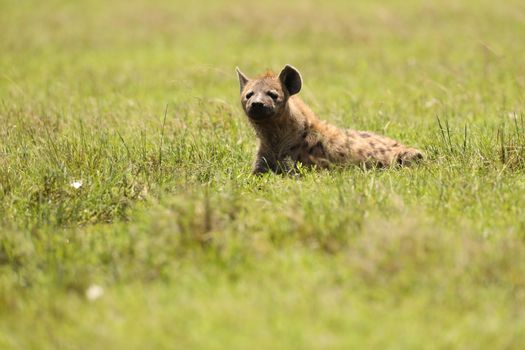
(257, 105)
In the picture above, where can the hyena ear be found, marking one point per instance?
(291, 79)
(243, 79)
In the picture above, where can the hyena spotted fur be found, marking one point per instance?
(289, 132)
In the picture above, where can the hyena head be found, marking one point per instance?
(266, 97)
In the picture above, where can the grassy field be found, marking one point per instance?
(129, 218)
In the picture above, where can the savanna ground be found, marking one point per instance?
(129, 218)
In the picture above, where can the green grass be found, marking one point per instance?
(138, 100)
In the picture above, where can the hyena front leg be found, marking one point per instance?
(264, 162)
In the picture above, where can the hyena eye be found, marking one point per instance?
(249, 94)
(272, 94)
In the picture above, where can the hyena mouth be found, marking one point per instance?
(260, 113)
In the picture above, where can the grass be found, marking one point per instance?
(137, 102)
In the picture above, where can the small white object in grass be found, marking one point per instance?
(94, 292)
(430, 103)
(76, 184)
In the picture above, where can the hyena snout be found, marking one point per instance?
(260, 110)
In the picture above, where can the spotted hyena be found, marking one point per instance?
(289, 132)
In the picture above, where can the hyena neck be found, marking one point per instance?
(295, 120)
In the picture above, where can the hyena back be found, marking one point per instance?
(290, 133)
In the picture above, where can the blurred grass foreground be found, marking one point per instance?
(129, 218)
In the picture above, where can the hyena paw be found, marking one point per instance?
(409, 156)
